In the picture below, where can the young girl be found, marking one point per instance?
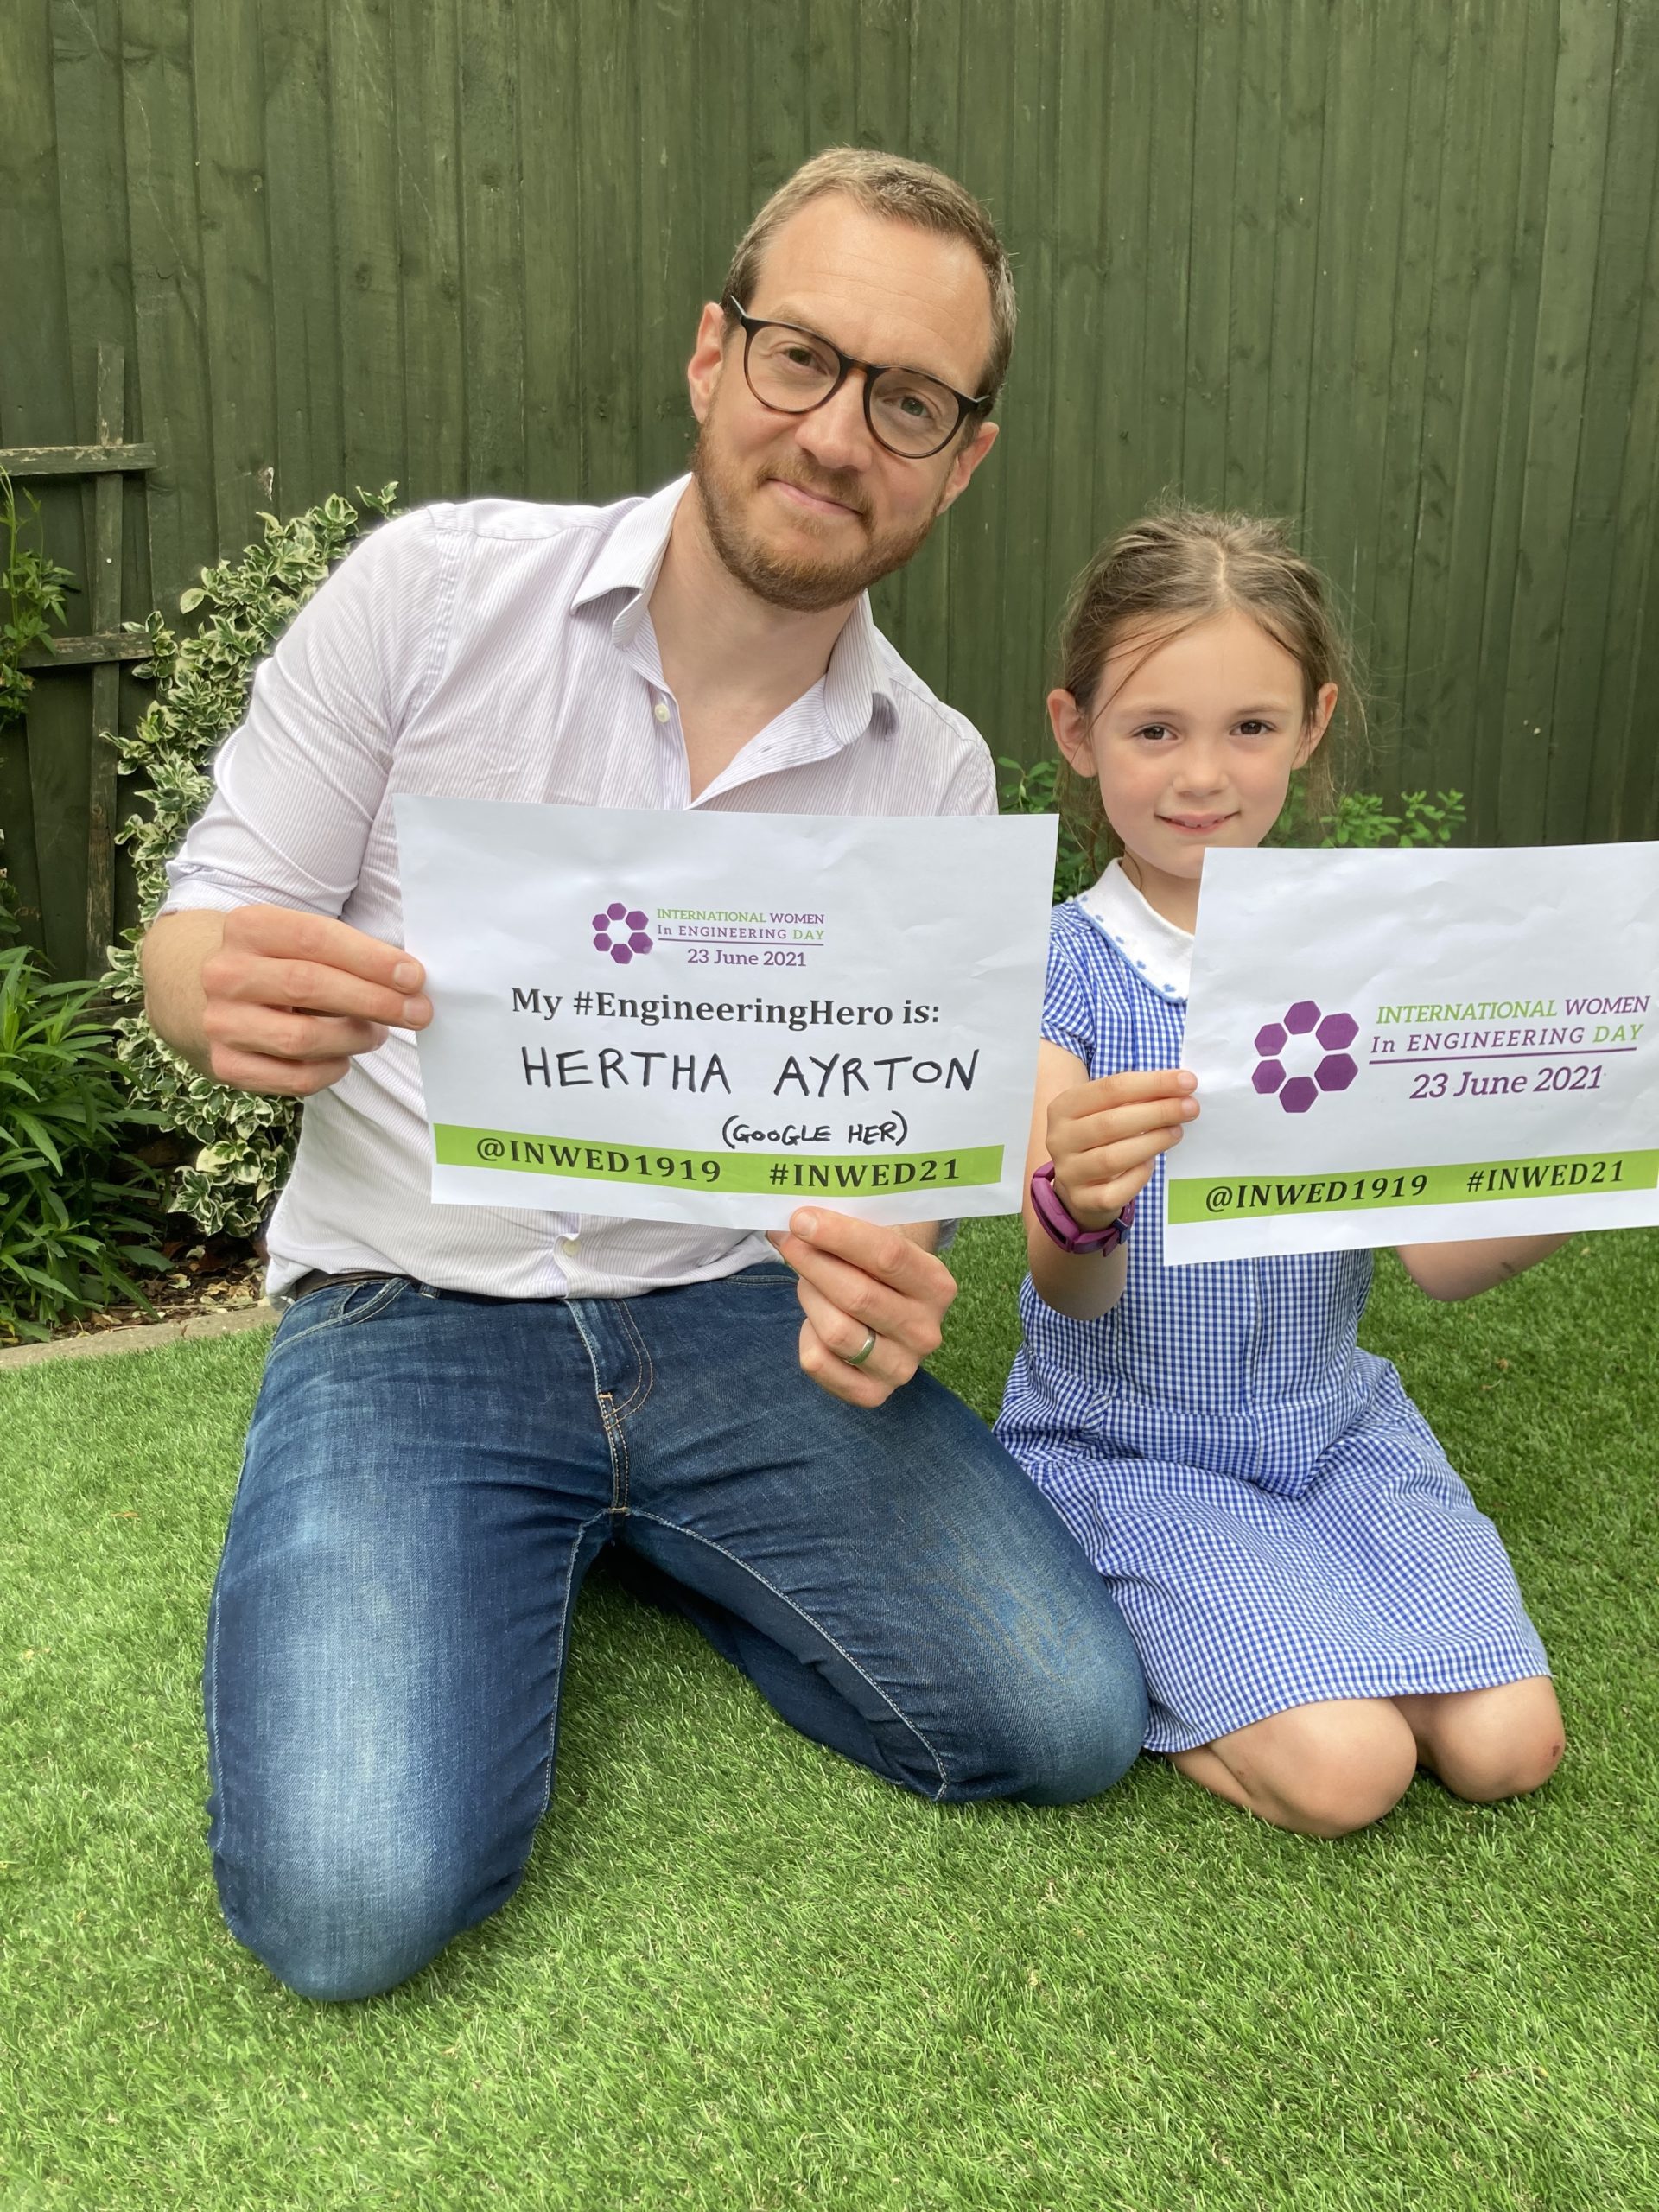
(1318, 1605)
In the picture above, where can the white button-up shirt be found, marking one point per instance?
(504, 651)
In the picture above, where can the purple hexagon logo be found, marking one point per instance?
(622, 931)
(1288, 1071)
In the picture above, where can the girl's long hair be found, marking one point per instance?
(1177, 566)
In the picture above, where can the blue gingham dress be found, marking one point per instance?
(1271, 1512)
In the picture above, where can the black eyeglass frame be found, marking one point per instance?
(966, 408)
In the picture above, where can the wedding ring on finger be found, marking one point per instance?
(857, 1358)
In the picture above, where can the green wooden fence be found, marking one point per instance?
(1389, 267)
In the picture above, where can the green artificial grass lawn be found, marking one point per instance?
(740, 1973)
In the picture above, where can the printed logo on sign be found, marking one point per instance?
(1303, 1054)
(623, 932)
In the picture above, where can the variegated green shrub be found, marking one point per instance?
(201, 690)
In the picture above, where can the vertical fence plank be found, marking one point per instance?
(673, 281)
(609, 245)
(1503, 738)
(1297, 281)
(550, 170)
(831, 72)
(1218, 55)
(236, 262)
(776, 58)
(363, 119)
(1417, 186)
(1442, 613)
(309, 438)
(174, 406)
(937, 32)
(44, 814)
(88, 88)
(493, 264)
(1577, 163)
(1624, 797)
(1584, 743)
(1124, 476)
(882, 113)
(426, 71)
(1017, 631)
(1090, 326)
(106, 598)
(1169, 241)
(1255, 185)
(974, 672)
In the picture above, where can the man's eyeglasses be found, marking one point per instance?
(793, 371)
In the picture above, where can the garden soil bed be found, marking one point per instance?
(211, 1285)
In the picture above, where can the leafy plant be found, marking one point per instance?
(1032, 787)
(76, 1217)
(1362, 819)
(201, 690)
(34, 588)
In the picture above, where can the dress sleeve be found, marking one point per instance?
(1070, 1015)
(297, 786)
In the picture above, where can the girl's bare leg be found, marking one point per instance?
(1486, 1744)
(1319, 1770)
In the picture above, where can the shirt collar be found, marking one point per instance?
(857, 691)
(1152, 946)
(630, 555)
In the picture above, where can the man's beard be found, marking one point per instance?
(805, 585)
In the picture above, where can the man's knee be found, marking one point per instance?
(1071, 1733)
(347, 1928)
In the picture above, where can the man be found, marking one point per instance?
(463, 1406)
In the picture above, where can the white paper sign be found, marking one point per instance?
(720, 1017)
(1412, 1047)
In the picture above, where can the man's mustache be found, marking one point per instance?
(843, 489)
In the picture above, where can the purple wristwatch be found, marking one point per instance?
(1068, 1233)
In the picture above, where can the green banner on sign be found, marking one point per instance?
(1244, 1198)
(786, 1174)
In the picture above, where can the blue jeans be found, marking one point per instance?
(429, 1476)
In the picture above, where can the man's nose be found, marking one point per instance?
(836, 435)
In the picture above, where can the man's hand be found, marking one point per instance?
(857, 1276)
(286, 999)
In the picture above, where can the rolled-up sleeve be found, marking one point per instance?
(297, 786)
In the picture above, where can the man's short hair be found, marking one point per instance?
(904, 192)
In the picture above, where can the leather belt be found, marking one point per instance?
(318, 1280)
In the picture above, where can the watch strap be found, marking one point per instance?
(1062, 1225)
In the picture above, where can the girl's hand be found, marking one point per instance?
(1104, 1137)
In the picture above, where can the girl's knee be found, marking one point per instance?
(1506, 1741)
(1513, 1767)
(1329, 1769)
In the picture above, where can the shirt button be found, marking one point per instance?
(569, 1246)
(661, 710)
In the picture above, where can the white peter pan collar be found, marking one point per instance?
(1160, 952)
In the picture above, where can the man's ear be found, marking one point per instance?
(708, 357)
(1071, 728)
(1324, 707)
(966, 461)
